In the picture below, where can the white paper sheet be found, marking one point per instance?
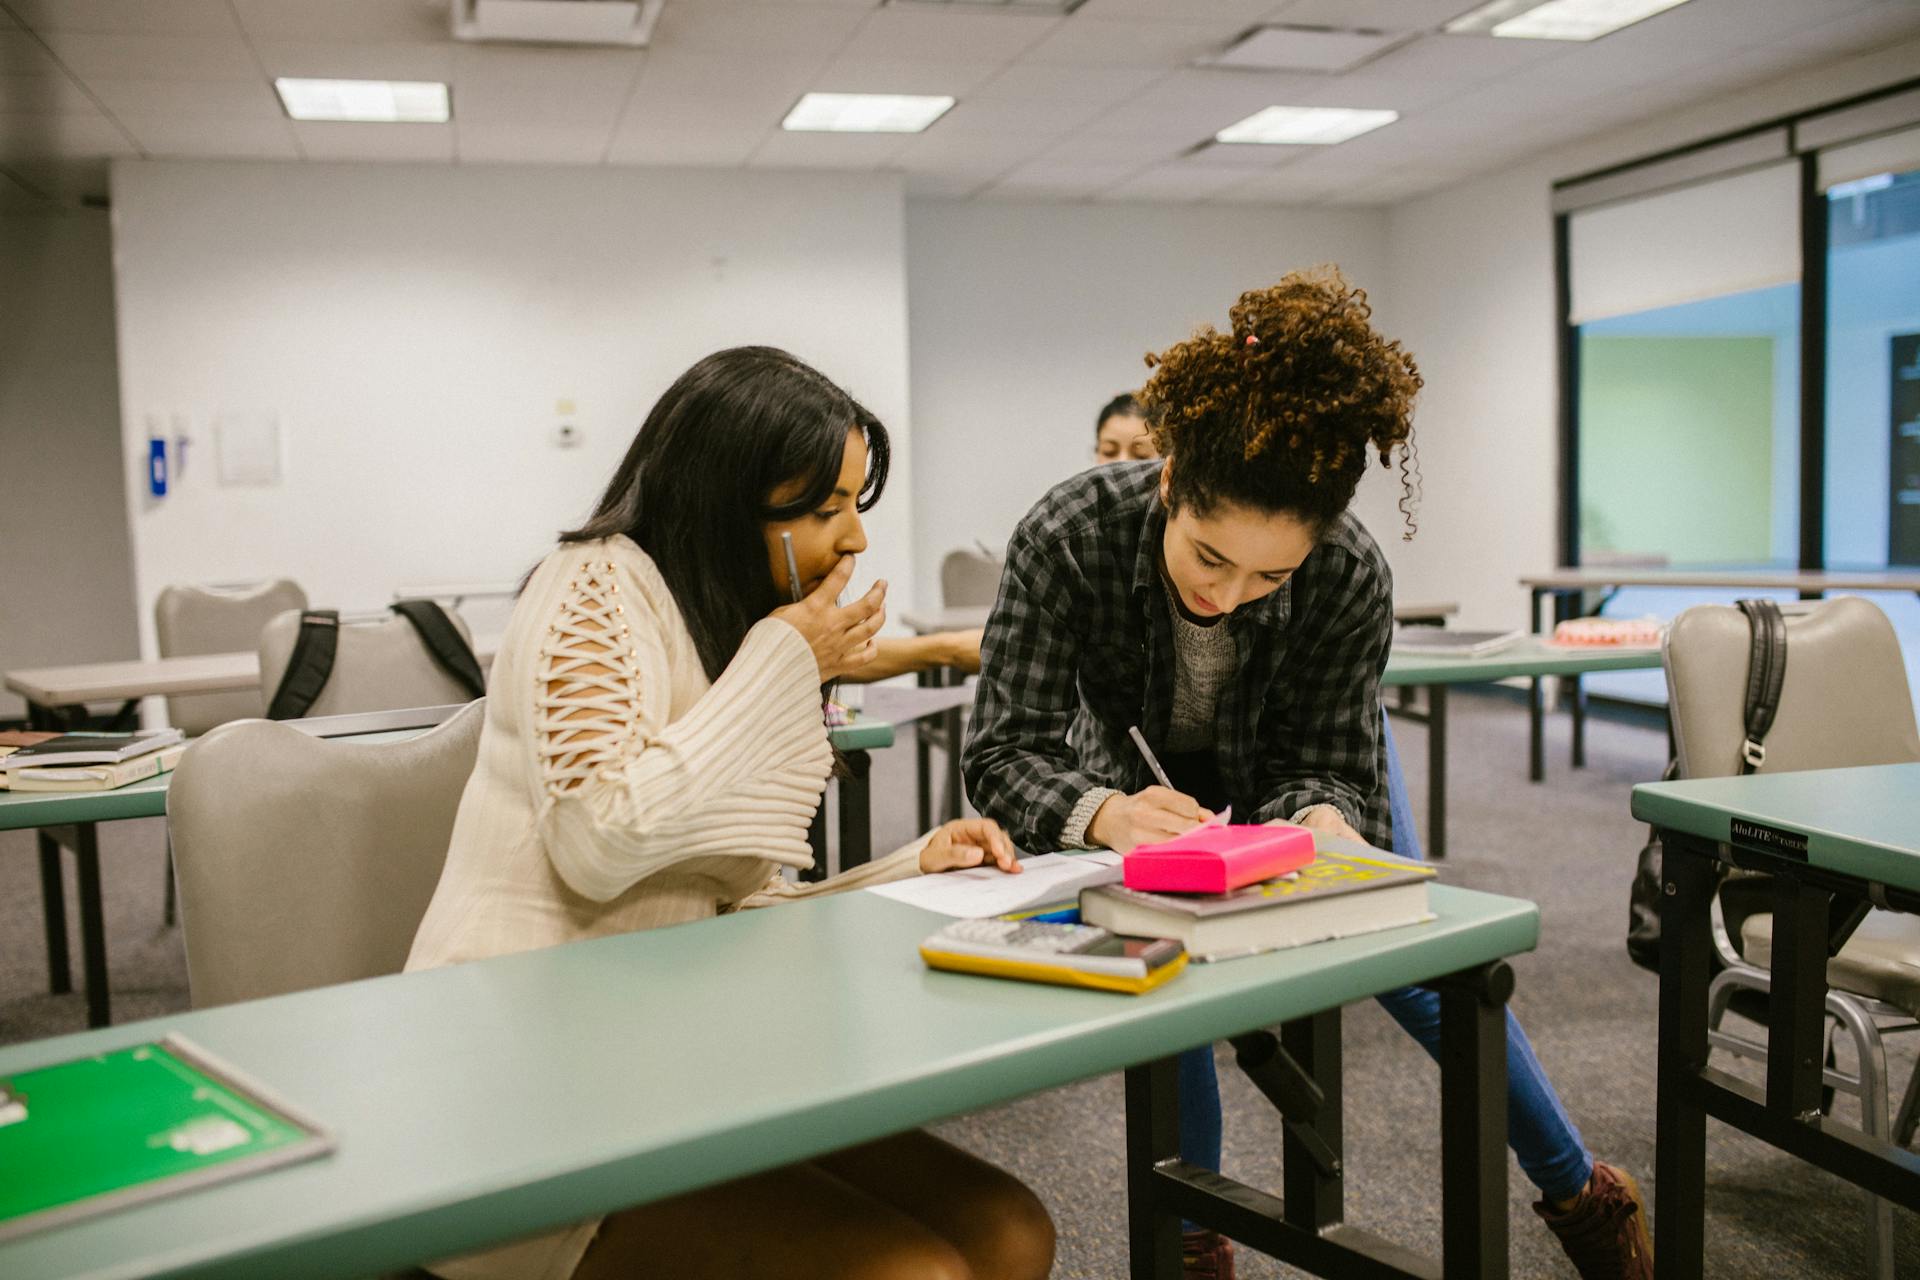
(1045, 879)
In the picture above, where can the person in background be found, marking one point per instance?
(1120, 432)
(653, 754)
(1226, 601)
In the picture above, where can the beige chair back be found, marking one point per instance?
(377, 666)
(1844, 702)
(196, 620)
(969, 579)
(308, 861)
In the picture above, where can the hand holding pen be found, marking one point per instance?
(1146, 817)
(841, 636)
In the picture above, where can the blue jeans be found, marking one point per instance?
(1543, 1137)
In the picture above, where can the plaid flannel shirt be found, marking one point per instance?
(1080, 646)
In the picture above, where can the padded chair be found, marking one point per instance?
(969, 579)
(308, 861)
(377, 666)
(1845, 702)
(196, 620)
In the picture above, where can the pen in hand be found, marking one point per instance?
(1146, 753)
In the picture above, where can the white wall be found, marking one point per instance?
(1026, 318)
(66, 591)
(1473, 297)
(414, 327)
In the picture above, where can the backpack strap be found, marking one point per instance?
(308, 666)
(1766, 673)
(450, 650)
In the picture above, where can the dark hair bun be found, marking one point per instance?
(1282, 412)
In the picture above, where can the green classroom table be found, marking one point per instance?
(1531, 657)
(1835, 842)
(71, 820)
(482, 1102)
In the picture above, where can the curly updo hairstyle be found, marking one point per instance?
(1281, 414)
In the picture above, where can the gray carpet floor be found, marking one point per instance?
(1567, 844)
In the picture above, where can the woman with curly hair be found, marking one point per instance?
(1225, 600)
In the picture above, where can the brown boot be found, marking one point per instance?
(1604, 1231)
(1205, 1255)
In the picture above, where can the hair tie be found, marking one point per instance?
(1253, 339)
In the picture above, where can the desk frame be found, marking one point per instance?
(1814, 911)
(1301, 1073)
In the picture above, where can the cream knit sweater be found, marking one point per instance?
(605, 803)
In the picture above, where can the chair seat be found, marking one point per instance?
(1880, 961)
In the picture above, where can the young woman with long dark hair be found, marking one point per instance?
(652, 755)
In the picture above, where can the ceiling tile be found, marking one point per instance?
(52, 136)
(867, 75)
(700, 144)
(958, 34)
(345, 19)
(1086, 150)
(1197, 104)
(44, 95)
(543, 86)
(1434, 69)
(755, 30)
(943, 186)
(154, 57)
(1240, 157)
(22, 55)
(1097, 86)
(527, 144)
(1379, 15)
(341, 141)
(672, 80)
(934, 151)
(859, 151)
(233, 99)
(128, 17)
(1045, 180)
(203, 137)
(1172, 184)
(1237, 14)
(1085, 42)
(1036, 120)
(340, 60)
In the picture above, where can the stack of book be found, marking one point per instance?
(1349, 888)
(86, 761)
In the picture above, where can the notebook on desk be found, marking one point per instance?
(96, 1134)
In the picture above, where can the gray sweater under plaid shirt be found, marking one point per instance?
(1080, 645)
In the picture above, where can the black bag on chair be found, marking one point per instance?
(1766, 673)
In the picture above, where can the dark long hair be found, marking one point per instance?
(693, 490)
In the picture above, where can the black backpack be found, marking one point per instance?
(1744, 895)
(313, 652)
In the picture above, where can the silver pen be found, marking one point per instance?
(1146, 753)
(793, 568)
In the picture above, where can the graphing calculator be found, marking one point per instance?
(1075, 955)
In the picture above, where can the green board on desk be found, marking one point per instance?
(95, 1134)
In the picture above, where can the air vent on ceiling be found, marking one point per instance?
(992, 6)
(1299, 48)
(624, 23)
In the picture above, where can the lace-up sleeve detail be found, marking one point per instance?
(627, 789)
(587, 693)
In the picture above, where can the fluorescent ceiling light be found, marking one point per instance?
(1305, 126)
(866, 112)
(1556, 19)
(375, 101)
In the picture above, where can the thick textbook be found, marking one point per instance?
(1349, 888)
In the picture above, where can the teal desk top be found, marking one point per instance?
(485, 1101)
(148, 798)
(1530, 657)
(1858, 822)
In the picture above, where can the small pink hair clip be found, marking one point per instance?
(1253, 339)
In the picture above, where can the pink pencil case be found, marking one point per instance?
(1217, 859)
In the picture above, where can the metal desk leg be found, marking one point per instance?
(1436, 771)
(1153, 1136)
(956, 793)
(1798, 997)
(1680, 1127)
(93, 926)
(53, 905)
(1313, 1188)
(922, 760)
(1536, 730)
(1579, 694)
(1473, 1122)
(856, 815)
